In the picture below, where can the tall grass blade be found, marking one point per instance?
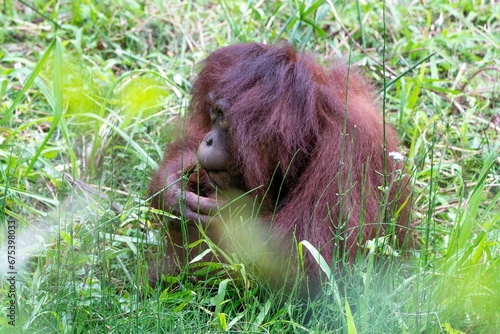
(28, 84)
(462, 230)
(58, 96)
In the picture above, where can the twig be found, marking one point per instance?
(85, 187)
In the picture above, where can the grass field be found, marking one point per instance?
(89, 94)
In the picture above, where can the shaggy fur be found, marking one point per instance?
(308, 143)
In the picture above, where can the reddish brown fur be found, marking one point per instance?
(287, 122)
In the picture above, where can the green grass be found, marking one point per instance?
(89, 91)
